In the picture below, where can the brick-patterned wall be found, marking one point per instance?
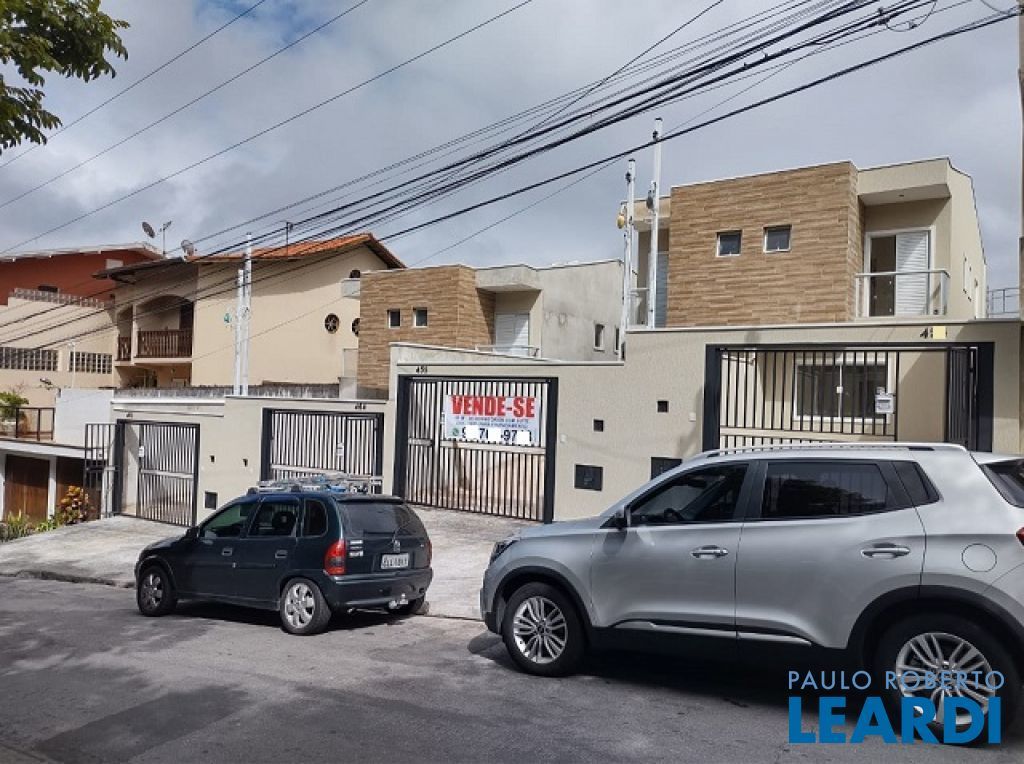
(810, 283)
(458, 316)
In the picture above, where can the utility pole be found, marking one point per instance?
(653, 204)
(246, 311)
(72, 361)
(236, 387)
(627, 257)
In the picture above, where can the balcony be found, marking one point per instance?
(27, 423)
(1004, 302)
(164, 343)
(530, 351)
(902, 294)
(124, 348)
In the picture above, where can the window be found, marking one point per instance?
(355, 326)
(209, 499)
(354, 274)
(314, 519)
(908, 256)
(662, 407)
(618, 338)
(802, 490)
(28, 359)
(729, 243)
(91, 363)
(776, 238)
(1008, 478)
(662, 464)
(708, 495)
(331, 323)
(598, 336)
(381, 519)
(275, 518)
(228, 523)
(48, 288)
(589, 477)
(114, 263)
(838, 390)
(598, 425)
(419, 317)
(394, 318)
(917, 485)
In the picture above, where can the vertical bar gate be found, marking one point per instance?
(298, 443)
(168, 472)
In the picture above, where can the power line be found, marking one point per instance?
(183, 107)
(674, 134)
(137, 82)
(278, 125)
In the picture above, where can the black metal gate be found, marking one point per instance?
(297, 443)
(776, 394)
(168, 471)
(496, 474)
(99, 466)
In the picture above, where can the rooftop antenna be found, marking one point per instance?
(188, 248)
(152, 233)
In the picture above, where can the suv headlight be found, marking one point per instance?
(501, 546)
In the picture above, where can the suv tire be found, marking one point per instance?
(542, 631)
(154, 592)
(908, 641)
(303, 609)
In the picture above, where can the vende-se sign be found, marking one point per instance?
(508, 419)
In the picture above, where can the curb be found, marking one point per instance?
(70, 578)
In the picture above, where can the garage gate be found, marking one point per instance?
(302, 443)
(493, 470)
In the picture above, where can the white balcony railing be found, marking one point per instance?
(902, 293)
(1004, 302)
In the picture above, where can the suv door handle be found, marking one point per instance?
(280, 554)
(886, 551)
(709, 551)
(226, 551)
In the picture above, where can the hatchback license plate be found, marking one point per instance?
(392, 561)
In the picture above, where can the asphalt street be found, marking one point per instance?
(84, 678)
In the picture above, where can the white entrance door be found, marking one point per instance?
(512, 333)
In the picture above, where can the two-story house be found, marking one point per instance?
(568, 312)
(824, 244)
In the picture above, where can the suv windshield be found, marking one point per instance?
(381, 518)
(1008, 478)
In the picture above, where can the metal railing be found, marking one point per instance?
(41, 295)
(1003, 302)
(27, 422)
(876, 293)
(124, 348)
(165, 343)
(530, 351)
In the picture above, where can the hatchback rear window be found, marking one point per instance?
(1008, 478)
(381, 518)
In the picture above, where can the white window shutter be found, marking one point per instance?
(512, 330)
(912, 254)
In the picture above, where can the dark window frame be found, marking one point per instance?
(303, 518)
(900, 499)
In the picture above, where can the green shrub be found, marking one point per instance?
(15, 527)
(10, 402)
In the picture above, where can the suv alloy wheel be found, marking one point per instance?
(937, 643)
(542, 631)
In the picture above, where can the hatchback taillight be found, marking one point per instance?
(334, 559)
(1020, 535)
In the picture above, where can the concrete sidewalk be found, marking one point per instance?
(104, 552)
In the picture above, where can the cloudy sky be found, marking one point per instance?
(957, 99)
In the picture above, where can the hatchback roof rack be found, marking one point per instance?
(833, 445)
(332, 482)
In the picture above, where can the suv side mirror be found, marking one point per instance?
(192, 533)
(619, 519)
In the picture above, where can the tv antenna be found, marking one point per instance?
(151, 233)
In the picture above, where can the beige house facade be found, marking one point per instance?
(829, 243)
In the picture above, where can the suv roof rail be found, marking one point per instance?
(833, 445)
(333, 482)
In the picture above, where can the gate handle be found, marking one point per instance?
(226, 551)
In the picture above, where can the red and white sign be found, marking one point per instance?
(512, 420)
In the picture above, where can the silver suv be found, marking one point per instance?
(900, 555)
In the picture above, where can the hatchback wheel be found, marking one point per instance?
(542, 631)
(154, 593)
(931, 644)
(303, 608)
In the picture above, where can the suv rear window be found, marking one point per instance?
(919, 488)
(381, 518)
(1008, 478)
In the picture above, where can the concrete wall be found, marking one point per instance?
(576, 297)
(668, 365)
(77, 408)
(229, 437)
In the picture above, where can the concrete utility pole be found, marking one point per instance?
(627, 256)
(653, 204)
(1020, 240)
(243, 301)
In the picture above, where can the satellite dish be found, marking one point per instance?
(148, 229)
(188, 247)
